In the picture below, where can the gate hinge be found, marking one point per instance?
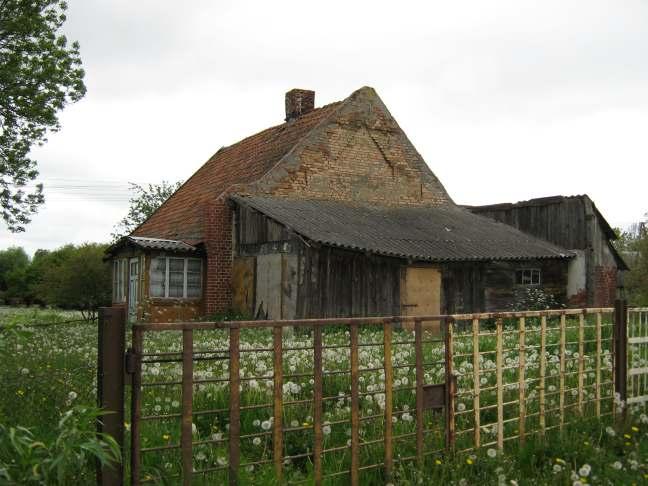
(129, 361)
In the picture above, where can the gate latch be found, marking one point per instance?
(129, 361)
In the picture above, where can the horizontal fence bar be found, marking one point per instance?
(178, 326)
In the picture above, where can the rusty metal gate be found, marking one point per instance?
(348, 400)
(315, 449)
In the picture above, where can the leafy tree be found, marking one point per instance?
(10, 259)
(40, 74)
(633, 245)
(14, 263)
(143, 204)
(78, 279)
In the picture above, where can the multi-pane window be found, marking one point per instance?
(119, 282)
(174, 277)
(527, 276)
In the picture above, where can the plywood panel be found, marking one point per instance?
(421, 293)
(243, 285)
(268, 285)
(290, 271)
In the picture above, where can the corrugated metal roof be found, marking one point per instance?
(436, 234)
(160, 244)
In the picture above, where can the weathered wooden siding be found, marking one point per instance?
(338, 283)
(574, 224)
(332, 282)
(564, 223)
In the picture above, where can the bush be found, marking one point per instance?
(68, 459)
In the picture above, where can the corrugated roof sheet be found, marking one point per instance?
(160, 244)
(439, 234)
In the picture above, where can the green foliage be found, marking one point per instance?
(71, 277)
(67, 459)
(143, 203)
(40, 74)
(77, 278)
(633, 246)
(13, 273)
(533, 298)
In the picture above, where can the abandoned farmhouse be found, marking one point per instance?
(334, 213)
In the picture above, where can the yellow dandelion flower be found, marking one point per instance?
(166, 436)
(627, 436)
(437, 462)
(559, 460)
(628, 444)
(635, 429)
(469, 461)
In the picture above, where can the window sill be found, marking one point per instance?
(168, 301)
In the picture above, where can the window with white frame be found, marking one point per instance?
(528, 276)
(119, 281)
(176, 277)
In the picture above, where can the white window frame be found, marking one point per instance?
(531, 273)
(119, 290)
(184, 277)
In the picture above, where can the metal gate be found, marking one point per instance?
(637, 353)
(205, 397)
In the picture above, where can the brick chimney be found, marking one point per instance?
(299, 102)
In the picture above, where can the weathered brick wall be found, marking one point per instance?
(605, 280)
(218, 245)
(359, 155)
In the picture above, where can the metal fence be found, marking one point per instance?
(637, 356)
(351, 399)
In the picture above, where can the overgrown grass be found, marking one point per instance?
(49, 370)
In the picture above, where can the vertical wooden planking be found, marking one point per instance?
(476, 382)
(187, 407)
(418, 350)
(136, 407)
(522, 380)
(235, 404)
(317, 404)
(561, 390)
(598, 364)
(581, 361)
(277, 426)
(543, 372)
(355, 408)
(500, 385)
(389, 381)
(450, 386)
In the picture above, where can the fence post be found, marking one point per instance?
(621, 349)
(110, 386)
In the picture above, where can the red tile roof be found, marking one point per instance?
(181, 216)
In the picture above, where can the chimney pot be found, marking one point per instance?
(299, 102)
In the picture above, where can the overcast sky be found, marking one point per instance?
(505, 100)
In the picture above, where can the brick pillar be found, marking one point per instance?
(605, 280)
(218, 243)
